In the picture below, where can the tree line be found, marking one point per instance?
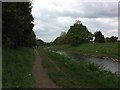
(78, 34)
(17, 26)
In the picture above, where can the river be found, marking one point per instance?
(104, 64)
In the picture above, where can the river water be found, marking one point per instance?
(104, 64)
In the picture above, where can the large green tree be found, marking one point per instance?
(17, 24)
(78, 34)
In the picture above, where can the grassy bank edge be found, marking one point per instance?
(74, 67)
(100, 50)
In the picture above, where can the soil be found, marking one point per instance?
(40, 74)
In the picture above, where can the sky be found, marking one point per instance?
(51, 17)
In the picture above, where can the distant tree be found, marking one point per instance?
(47, 44)
(56, 41)
(107, 39)
(113, 39)
(40, 42)
(78, 34)
(99, 38)
(61, 39)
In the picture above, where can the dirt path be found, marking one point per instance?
(40, 74)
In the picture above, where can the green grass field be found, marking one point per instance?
(73, 73)
(17, 68)
(97, 49)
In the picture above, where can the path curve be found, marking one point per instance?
(39, 73)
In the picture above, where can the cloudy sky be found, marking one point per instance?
(51, 17)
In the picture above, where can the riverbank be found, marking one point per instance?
(17, 68)
(100, 50)
(70, 73)
(104, 64)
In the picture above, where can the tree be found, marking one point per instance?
(113, 39)
(40, 42)
(107, 39)
(17, 26)
(99, 38)
(78, 34)
(61, 39)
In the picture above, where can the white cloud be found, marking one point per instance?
(51, 17)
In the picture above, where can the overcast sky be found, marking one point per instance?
(51, 17)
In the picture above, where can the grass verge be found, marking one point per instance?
(17, 68)
(78, 73)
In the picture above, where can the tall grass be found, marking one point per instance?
(17, 68)
(81, 72)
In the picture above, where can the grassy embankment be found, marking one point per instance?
(98, 49)
(70, 73)
(17, 68)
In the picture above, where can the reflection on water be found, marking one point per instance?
(105, 64)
